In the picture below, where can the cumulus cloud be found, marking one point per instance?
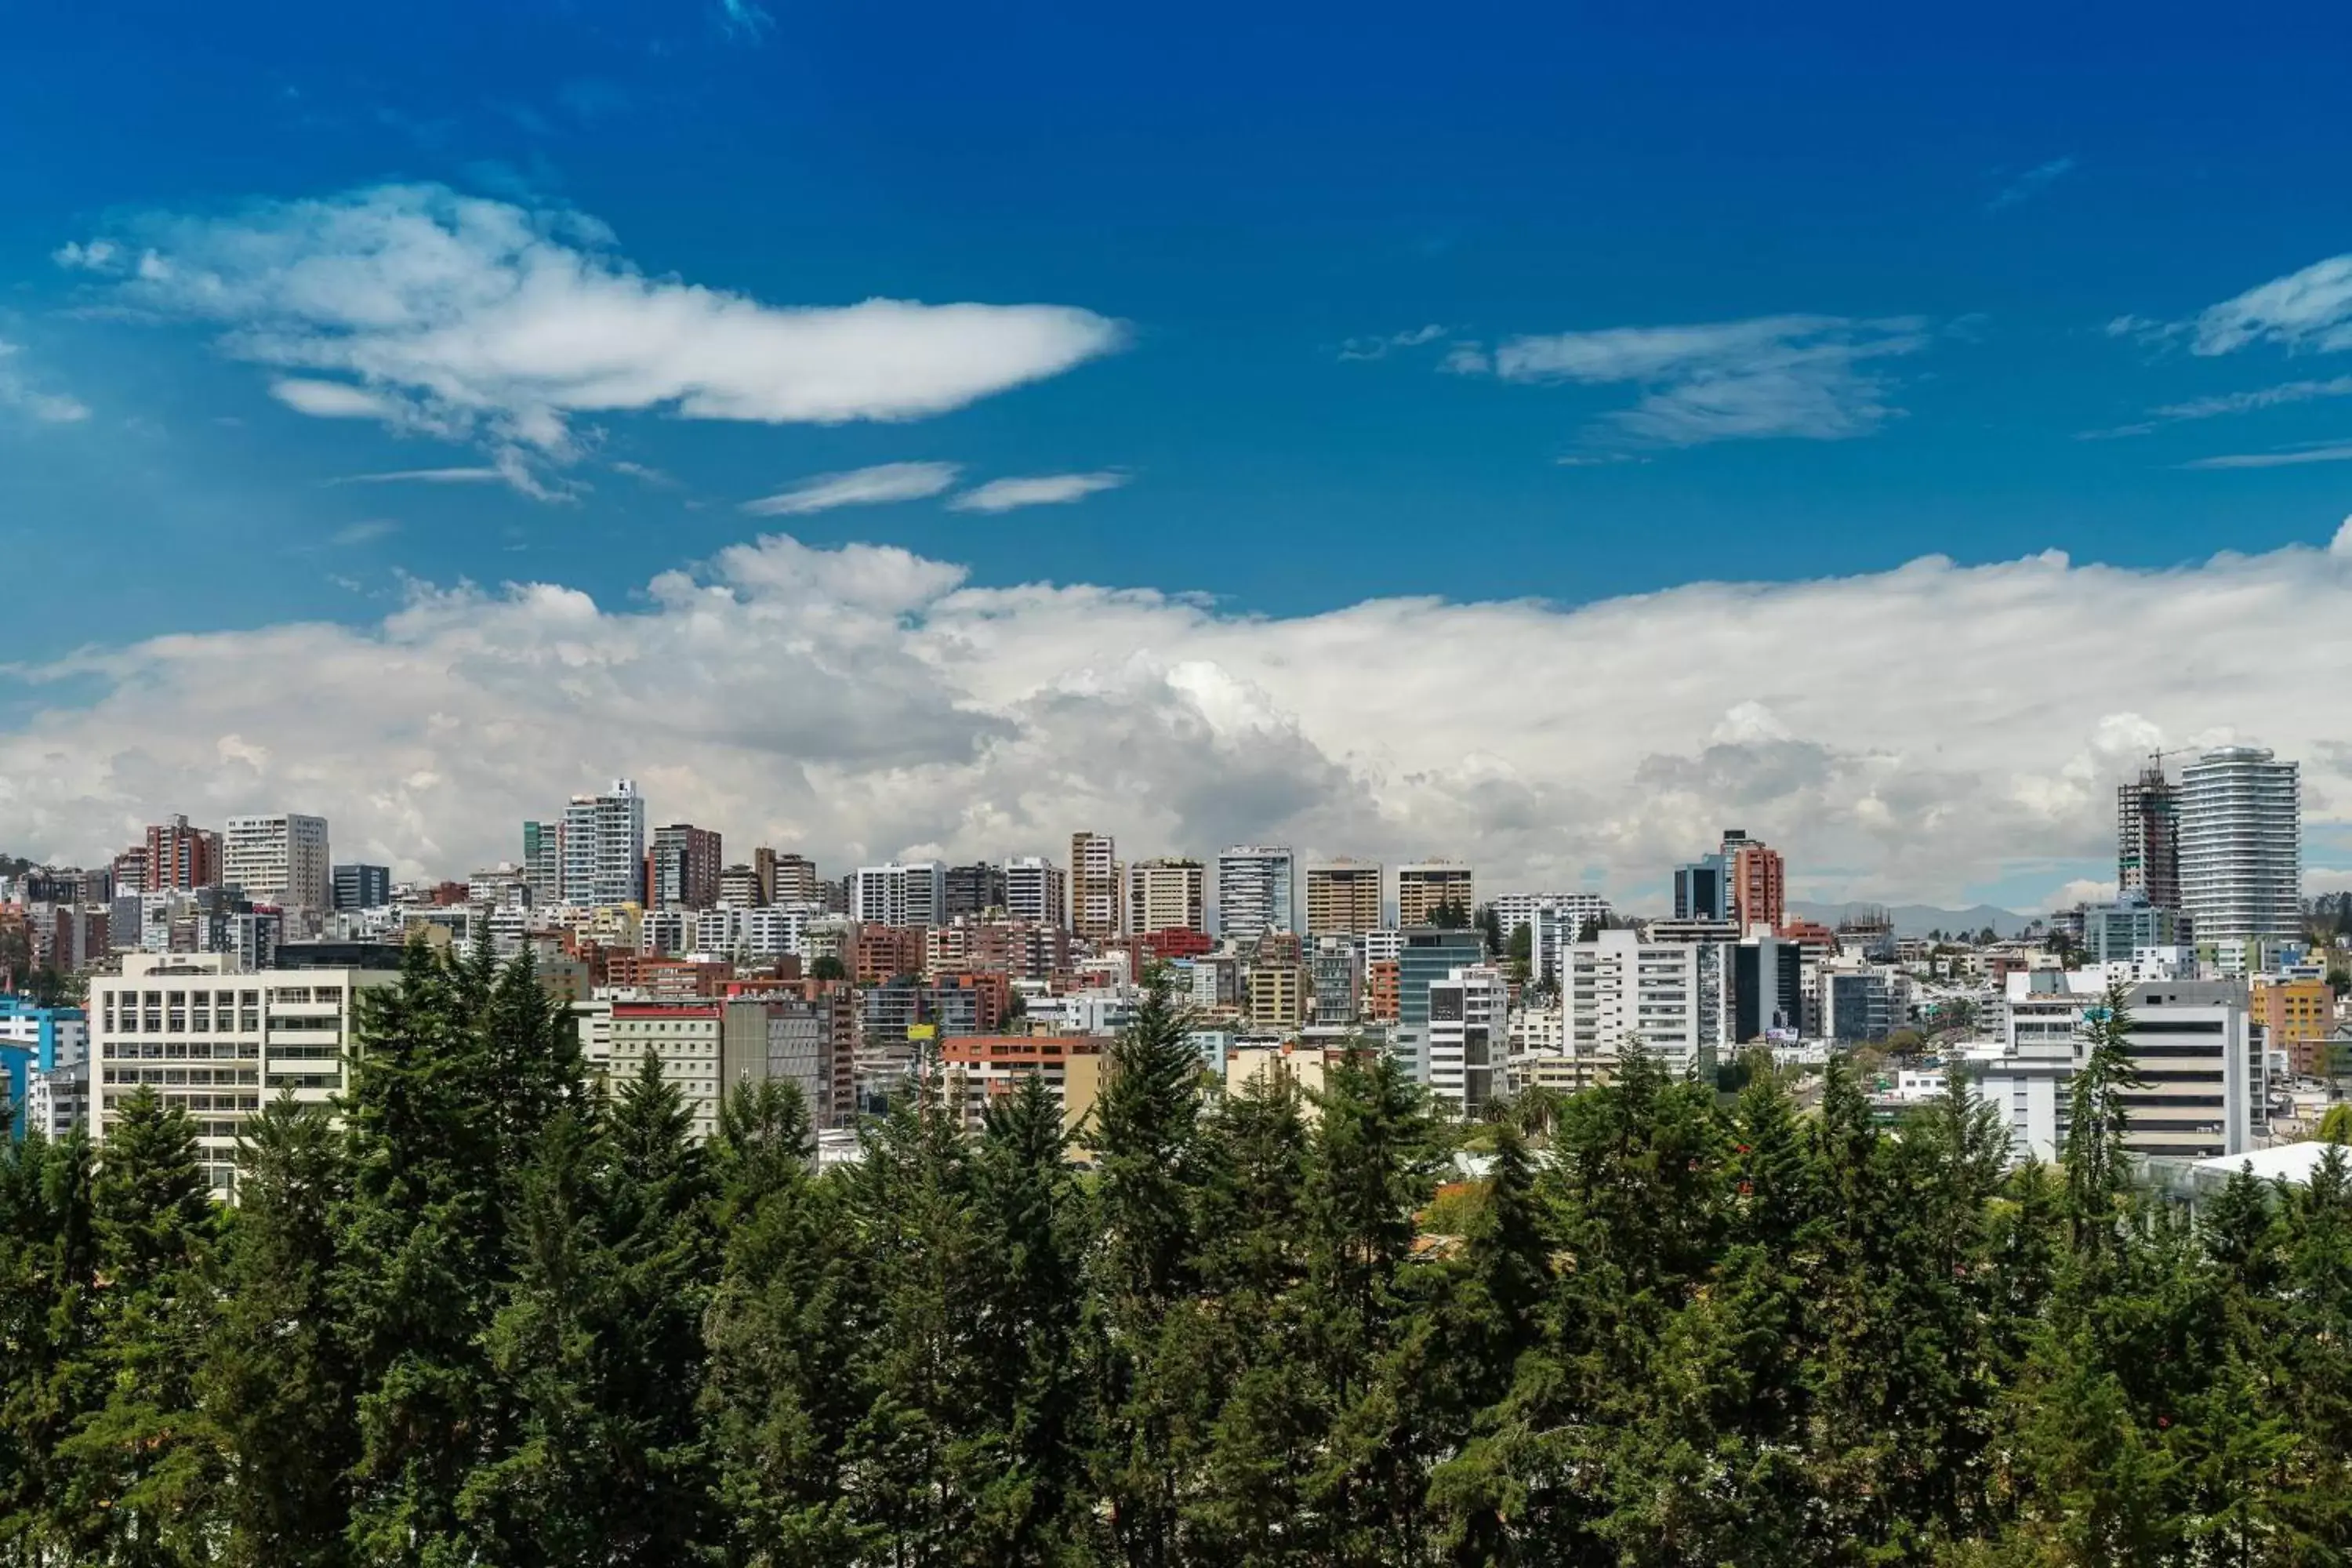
(1802, 376)
(20, 395)
(483, 321)
(852, 703)
(1036, 489)
(858, 487)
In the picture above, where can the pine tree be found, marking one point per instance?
(142, 1462)
(2097, 1155)
(48, 1270)
(1146, 1131)
(278, 1386)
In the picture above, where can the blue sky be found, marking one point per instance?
(1340, 281)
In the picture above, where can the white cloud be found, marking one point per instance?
(854, 702)
(858, 487)
(2251, 401)
(364, 531)
(2031, 183)
(2307, 309)
(1380, 347)
(18, 395)
(483, 321)
(1039, 489)
(2285, 457)
(1773, 376)
(426, 477)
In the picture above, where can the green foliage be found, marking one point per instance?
(488, 1316)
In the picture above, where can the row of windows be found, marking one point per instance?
(192, 1103)
(181, 1076)
(178, 1050)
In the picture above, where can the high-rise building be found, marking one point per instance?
(1469, 1013)
(2147, 837)
(1167, 895)
(1037, 890)
(1757, 881)
(1094, 885)
(180, 856)
(1425, 888)
(603, 847)
(361, 887)
(1767, 988)
(795, 879)
(901, 893)
(740, 888)
(2112, 933)
(1254, 890)
(1617, 988)
(2241, 846)
(280, 859)
(1702, 890)
(1343, 898)
(1553, 926)
(682, 872)
(542, 862)
(976, 889)
(1426, 954)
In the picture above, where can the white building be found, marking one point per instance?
(218, 1044)
(602, 846)
(1383, 944)
(704, 1049)
(1618, 986)
(281, 859)
(1255, 885)
(1038, 889)
(2205, 1084)
(902, 893)
(2240, 846)
(1468, 1018)
(1554, 921)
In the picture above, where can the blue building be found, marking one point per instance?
(1427, 953)
(45, 1048)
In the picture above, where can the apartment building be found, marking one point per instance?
(1468, 1019)
(218, 1044)
(1277, 994)
(178, 857)
(2241, 847)
(1255, 890)
(908, 893)
(1619, 986)
(1343, 898)
(280, 859)
(1094, 886)
(1167, 895)
(682, 870)
(602, 846)
(706, 1047)
(2298, 1016)
(43, 1069)
(1429, 886)
(1037, 890)
(978, 1070)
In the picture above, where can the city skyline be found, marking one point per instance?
(676, 395)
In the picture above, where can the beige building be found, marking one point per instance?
(1276, 996)
(1094, 885)
(1167, 895)
(282, 859)
(1343, 898)
(1425, 888)
(979, 1069)
(218, 1044)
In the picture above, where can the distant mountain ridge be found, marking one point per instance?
(1918, 919)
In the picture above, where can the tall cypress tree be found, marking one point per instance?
(142, 1474)
(48, 1270)
(278, 1384)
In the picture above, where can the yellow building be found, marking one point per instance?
(2296, 1017)
(1277, 996)
(1343, 898)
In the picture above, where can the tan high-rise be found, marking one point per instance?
(1094, 885)
(1425, 888)
(1167, 895)
(1343, 898)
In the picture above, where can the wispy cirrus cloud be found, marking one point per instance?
(19, 393)
(1796, 375)
(2024, 187)
(2306, 312)
(467, 476)
(857, 487)
(1038, 489)
(744, 19)
(1380, 347)
(2282, 396)
(2279, 458)
(489, 322)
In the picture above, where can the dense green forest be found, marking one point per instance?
(499, 1317)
